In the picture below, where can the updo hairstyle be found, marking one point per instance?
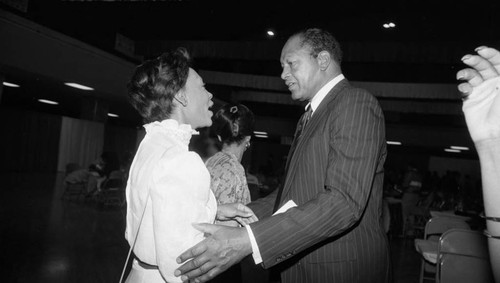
(154, 84)
(232, 123)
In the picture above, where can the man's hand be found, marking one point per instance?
(236, 211)
(224, 247)
(481, 93)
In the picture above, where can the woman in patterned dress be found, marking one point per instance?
(233, 125)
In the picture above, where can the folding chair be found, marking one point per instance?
(463, 257)
(434, 228)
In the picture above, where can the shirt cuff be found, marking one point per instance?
(255, 249)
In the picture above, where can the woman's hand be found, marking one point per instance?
(236, 211)
(481, 93)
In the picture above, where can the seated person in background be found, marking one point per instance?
(77, 176)
(101, 169)
(77, 179)
(481, 106)
(412, 180)
(96, 177)
(412, 184)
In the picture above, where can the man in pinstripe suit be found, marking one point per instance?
(334, 174)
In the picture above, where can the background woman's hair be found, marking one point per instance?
(233, 122)
(154, 84)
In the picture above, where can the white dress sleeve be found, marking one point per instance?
(180, 196)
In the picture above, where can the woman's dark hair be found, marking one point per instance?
(233, 122)
(155, 83)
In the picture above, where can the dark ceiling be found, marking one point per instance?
(442, 23)
(425, 46)
(97, 22)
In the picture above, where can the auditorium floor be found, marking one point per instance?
(46, 239)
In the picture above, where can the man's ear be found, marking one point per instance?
(324, 60)
(181, 98)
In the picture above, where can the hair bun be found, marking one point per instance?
(233, 122)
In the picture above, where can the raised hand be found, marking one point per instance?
(224, 247)
(481, 93)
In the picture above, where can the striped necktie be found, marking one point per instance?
(305, 118)
(307, 115)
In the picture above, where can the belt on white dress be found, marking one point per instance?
(145, 265)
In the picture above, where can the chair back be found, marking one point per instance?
(433, 230)
(463, 257)
(438, 225)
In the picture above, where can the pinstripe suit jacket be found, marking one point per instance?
(335, 175)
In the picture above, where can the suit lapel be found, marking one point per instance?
(301, 142)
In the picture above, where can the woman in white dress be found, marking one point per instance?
(168, 188)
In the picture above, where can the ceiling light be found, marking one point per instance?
(389, 25)
(79, 86)
(459, 147)
(48, 101)
(393, 142)
(10, 84)
(262, 136)
(113, 115)
(451, 150)
(270, 33)
(260, 133)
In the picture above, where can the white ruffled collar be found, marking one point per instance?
(183, 132)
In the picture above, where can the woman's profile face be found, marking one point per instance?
(199, 100)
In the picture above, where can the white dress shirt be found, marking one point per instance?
(171, 186)
(315, 102)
